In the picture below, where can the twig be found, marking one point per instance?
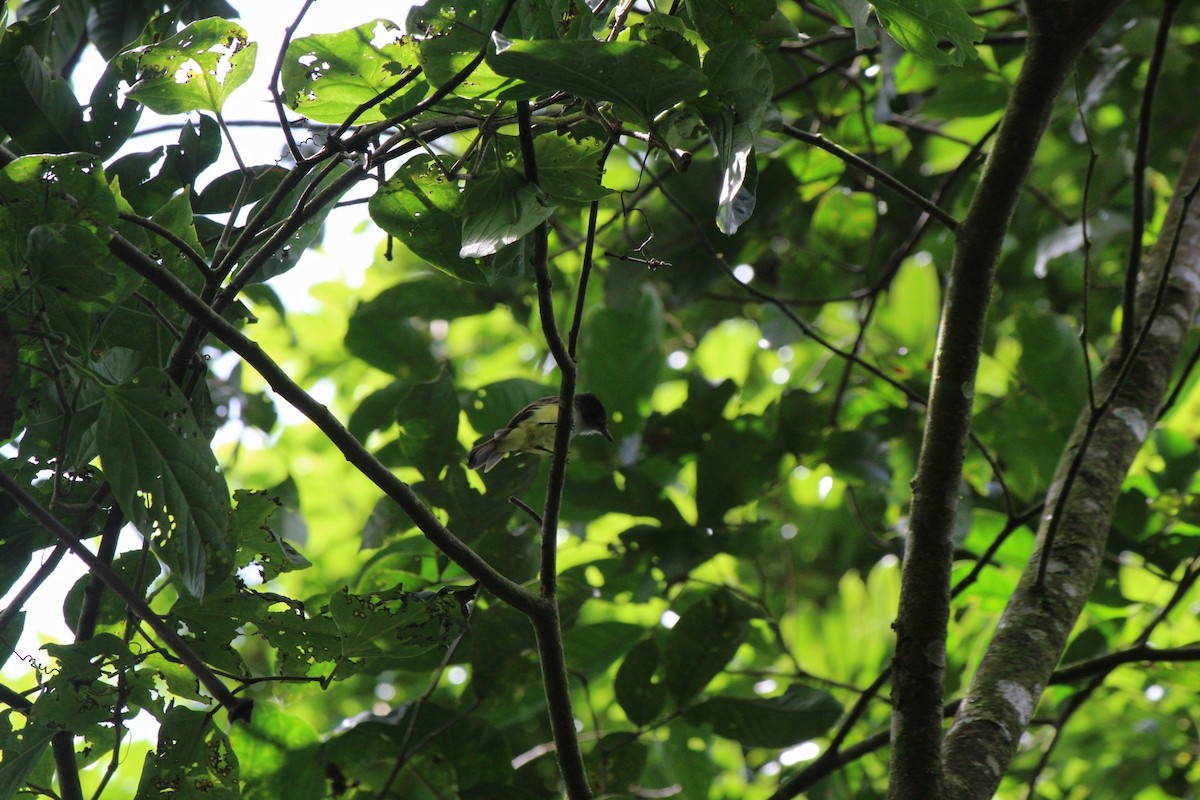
(1137, 222)
(884, 177)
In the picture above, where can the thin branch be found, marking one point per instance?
(237, 708)
(883, 176)
(276, 85)
(350, 447)
(547, 624)
(1137, 222)
(174, 239)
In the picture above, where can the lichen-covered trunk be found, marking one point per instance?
(1033, 631)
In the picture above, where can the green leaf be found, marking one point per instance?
(703, 640)
(739, 173)
(723, 21)
(36, 190)
(1051, 364)
(434, 296)
(498, 209)
(258, 544)
(391, 344)
(69, 258)
(165, 476)
(194, 70)
(219, 195)
(920, 26)
(621, 351)
(112, 117)
(23, 750)
(131, 569)
(569, 169)
(909, 311)
(594, 647)
(39, 111)
(398, 623)
(428, 417)
(643, 78)
(192, 761)
(799, 714)
(640, 696)
(735, 464)
(329, 75)
(421, 208)
(859, 12)
(740, 76)
(844, 218)
(444, 56)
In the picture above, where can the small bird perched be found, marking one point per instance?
(532, 430)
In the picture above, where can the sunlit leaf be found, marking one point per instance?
(921, 25)
(326, 77)
(194, 70)
(498, 209)
(423, 209)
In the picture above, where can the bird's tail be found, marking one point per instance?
(485, 455)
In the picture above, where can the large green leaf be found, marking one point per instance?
(621, 350)
(722, 21)
(398, 623)
(165, 476)
(72, 260)
(799, 714)
(423, 209)
(444, 57)
(36, 190)
(327, 76)
(920, 26)
(640, 696)
(500, 208)
(569, 169)
(194, 70)
(428, 417)
(703, 640)
(23, 746)
(39, 111)
(644, 78)
(392, 344)
(193, 760)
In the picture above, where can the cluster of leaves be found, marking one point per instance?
(745, 206)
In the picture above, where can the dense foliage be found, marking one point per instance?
(735, 224)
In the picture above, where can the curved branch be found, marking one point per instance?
(354, 451)
(883, 176)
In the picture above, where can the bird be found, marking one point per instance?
(532, 430)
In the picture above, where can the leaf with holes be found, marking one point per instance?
(194, 70)
(499, 209)
(328, 76)
(165, 477)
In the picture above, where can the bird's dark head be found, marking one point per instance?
(592, 418)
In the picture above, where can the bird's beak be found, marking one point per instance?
(604, 432)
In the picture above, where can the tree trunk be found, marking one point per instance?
(1034, 629)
